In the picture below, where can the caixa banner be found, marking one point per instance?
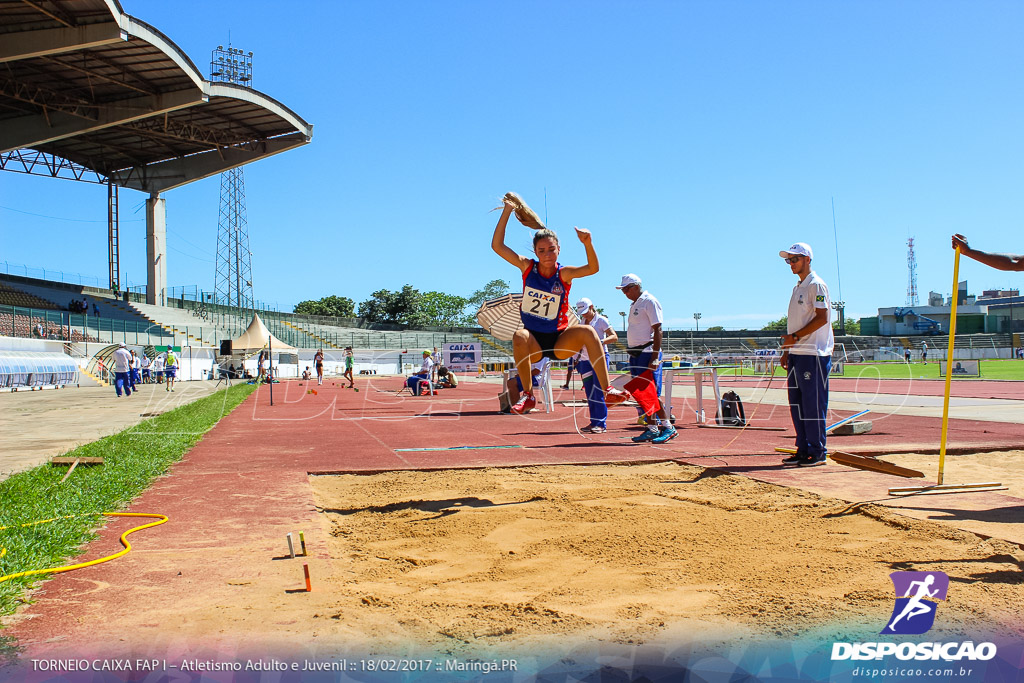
(462, 357)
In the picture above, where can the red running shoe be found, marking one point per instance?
(526, 404)
(613, 396)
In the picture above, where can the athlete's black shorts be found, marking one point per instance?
(547, 342)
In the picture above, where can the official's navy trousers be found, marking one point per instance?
(807, 383)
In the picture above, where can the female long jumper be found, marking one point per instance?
(545, 306)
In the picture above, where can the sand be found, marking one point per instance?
(538, 558)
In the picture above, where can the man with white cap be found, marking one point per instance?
(643, 339)
(122, 368)
(595, 397)
(807, 356)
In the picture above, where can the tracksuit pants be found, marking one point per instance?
(595, 394)
(807, 383)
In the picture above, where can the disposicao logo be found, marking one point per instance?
(917, 597)
(917, 594)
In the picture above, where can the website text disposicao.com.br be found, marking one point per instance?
(910, 672)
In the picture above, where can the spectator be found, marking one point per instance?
(643, 342)
(170, 369)
(306, 374)
(597, 407)
(514, 386)
(807, 357)
(95, 309)
(132, 370)
(231, 371)
(146, 375)
(421, 375)
(446, 378)
(158, 368)
(122, 370)
(349, 365)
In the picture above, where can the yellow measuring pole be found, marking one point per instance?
(949, 361)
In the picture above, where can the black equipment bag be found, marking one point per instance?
(731, 412)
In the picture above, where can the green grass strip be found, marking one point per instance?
(132, 460)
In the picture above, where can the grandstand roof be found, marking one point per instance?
(84, 81)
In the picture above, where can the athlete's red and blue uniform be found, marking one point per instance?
(545, 307)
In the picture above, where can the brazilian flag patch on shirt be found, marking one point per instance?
(820, 297)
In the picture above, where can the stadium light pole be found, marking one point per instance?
(623, 314)
(840, 307)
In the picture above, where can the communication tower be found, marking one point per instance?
(911, 274)
(233, 280)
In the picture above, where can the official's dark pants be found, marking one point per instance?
(122, 380)
(807, 383)
(595, 394)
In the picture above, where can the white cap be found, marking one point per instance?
(122, 345)
(798, 249)
(583, 305)
(627, 280)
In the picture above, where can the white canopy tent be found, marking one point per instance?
(258, 337)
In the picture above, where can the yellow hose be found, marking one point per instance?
(80, 565)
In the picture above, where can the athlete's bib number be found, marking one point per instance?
(541, 304)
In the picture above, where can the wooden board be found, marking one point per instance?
(760, 429)
(863, 462)
(80, 461)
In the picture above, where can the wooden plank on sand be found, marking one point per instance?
(863, 462)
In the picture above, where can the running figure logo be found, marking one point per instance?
(917, 594)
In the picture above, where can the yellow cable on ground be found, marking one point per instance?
(80, 565)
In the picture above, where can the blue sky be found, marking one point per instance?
(694, 139)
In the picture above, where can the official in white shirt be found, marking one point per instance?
(807, 356)
(122, 370)
(643, 337)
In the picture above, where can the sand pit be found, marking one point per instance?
(552, 558)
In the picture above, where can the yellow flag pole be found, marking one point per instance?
(949, 363)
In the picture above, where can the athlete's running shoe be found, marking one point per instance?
(794, 459)
(667, 434)
(811, 461)
(652, 433)
(613, 396)
(525, 404)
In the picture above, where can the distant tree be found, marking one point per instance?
(852, 326)
(779, 324)
(716, 328)
(492, 290)
(440, 309)
(331, 306)
(385, 306)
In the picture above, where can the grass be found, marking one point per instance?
(132, 459)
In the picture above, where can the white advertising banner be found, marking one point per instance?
(462, 357)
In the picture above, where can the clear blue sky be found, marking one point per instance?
(695, 139)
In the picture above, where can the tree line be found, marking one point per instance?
(408, 306)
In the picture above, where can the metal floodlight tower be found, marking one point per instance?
(233, 280)
(911, 273)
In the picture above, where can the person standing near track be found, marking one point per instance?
(924, 352)
(122, 370)
(349, 364)
(643, 339)
(807, 357)
(545, 306)
(595, 403)
(318, 363)
(170, 369)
